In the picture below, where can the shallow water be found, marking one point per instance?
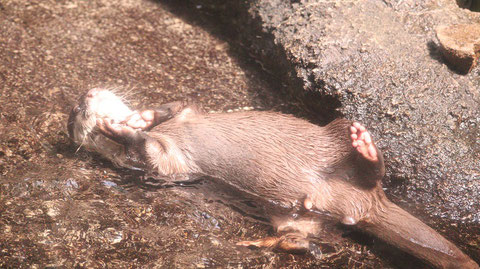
(62, 207)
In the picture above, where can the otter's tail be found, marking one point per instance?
(399, 228)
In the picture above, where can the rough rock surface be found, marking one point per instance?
(63, 208)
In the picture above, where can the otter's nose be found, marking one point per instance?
(91, 93)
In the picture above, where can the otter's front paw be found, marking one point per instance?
(118, 132)
(142, 120)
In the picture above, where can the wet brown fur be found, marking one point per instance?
(274, 160)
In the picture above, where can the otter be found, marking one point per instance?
(335, 170)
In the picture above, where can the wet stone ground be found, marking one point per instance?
(62, 207)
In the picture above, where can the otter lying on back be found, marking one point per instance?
(336, 169)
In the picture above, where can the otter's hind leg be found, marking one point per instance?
(368, 163)
(290, 242)
(292, 235)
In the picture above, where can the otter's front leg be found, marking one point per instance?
(135, 141)
(149, 118)
(121, 133)
(157, 154)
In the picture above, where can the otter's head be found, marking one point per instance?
(82, 123)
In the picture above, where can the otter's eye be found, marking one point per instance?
(76, 109)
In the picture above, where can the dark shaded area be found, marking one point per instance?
(434, 51)
(473, 5)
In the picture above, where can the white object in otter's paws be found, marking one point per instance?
(105, 103)
(98, 103)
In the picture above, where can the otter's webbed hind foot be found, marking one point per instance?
(290, 242)
(369, 164)
(293, 235)
(362, 142)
